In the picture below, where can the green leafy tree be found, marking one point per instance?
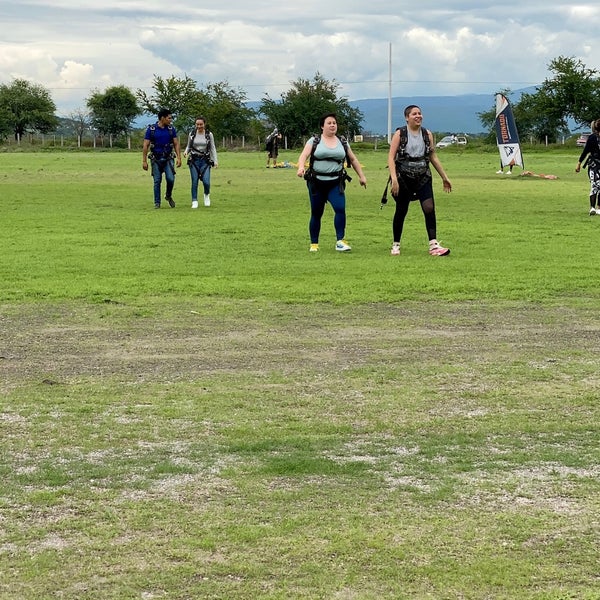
(225, 109)
(222, 106)
(26, 106)
(572, 93)
(113, 111)
(176, 94)
(298, 111)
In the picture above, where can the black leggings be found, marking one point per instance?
(402, 204)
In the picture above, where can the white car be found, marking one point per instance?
(449, 140)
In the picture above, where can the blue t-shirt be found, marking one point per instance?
(163, 139)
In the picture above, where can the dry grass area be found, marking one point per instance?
(57, 344)
(236, 450)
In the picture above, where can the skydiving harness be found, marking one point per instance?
(413, 171)
(168, 151)
(342, 174)
(194, 154)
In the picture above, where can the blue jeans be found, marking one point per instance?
(160, 166)
(199, 166)
(320, 193)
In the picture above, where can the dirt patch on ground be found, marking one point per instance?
(51, 343)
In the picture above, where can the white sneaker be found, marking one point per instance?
(342, 246)
(509, 172)
(194, 203)
(593, 211)
(436, 249)
(499, 172)
(395, 251)
(206, 200)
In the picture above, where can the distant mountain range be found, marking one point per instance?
(451, 114)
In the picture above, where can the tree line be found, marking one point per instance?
(27, 107)
(571, 93)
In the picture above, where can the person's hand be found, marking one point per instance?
(145, 165)
(395, 187)
(300, 172)
(578, 168)
(447, 186)
(178, 161)
(363, 182)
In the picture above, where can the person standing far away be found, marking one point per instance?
(500, 171)
(273, 140)
(201, 154)
(411, 151)
(326, 179)
(160, 144)
(591, 150)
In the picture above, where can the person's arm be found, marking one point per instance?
(394, 144)
(177, 148)
(356, 166)
(145, 148)
(437, 165)
(586, 150)
(188, 146)
(304, 157)
(213, 150)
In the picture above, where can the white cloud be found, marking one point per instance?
(460, 46)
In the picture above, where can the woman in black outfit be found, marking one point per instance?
(591, 150)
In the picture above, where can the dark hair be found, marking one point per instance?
(200, 118)
(322, 119)
(596, 126)
(409, 108)
(163, 112)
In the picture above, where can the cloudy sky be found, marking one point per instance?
(448, 47)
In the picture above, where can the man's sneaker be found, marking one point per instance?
(436, 250)
(157, 205)
(314, 248)
(206, 200)
(593, 211)
(170, 201)
(342, 246)
(194, 203)
(395, 251)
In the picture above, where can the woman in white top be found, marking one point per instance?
(201, 156)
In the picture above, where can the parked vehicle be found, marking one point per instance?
(582, 139)
(449, 140)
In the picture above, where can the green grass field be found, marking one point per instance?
(192, 405)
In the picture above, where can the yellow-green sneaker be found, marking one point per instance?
(314, 248)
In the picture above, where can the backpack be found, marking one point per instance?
(401, 153)
(152, 129)
(418, 173)
(342, 174)
(269, 142)
(317, 139)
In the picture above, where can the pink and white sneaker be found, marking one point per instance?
(435, 249)
(395, 251)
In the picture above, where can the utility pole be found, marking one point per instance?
(389, 135)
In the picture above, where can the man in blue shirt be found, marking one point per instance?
(160, 143)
